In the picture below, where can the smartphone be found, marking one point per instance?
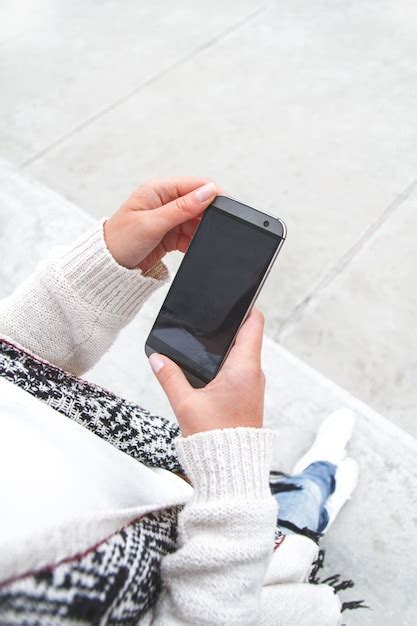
(217, 283)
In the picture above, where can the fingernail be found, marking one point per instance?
(156, 362)
(205, 192)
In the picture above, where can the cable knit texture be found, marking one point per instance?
(211, 459)
(71, 310)
(69, 313)
(299, 605)
(216, 575)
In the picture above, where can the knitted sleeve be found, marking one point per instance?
(225, 533)
(71, 309)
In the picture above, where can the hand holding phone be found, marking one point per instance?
(219, 279)
(160, 216)
(235, 398)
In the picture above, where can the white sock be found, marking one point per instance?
(347, 476)
(331, 440)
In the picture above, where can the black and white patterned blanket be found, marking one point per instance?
(117, 581)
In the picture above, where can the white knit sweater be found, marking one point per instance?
(69, 313)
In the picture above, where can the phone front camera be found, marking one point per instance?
(266, 223)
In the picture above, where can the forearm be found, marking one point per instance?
(225, 533)
(70, 311)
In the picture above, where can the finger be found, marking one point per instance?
(189, 228)
(170, 188)
(248, 343)
(175, 241)
(186, 207)
(183, 244)
(170, 377)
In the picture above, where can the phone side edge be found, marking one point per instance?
(284, 230)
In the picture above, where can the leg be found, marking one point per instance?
(323, 480)
(302, 498)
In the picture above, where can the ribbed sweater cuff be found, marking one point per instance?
(98, 279)
(230, 463)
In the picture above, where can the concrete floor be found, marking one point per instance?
(306, 109)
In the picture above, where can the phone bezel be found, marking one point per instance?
(256, 218)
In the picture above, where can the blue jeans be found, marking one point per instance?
(301, 498)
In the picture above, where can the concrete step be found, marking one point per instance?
(375, 540)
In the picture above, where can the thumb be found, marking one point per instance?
(186, 207)
(170, 377)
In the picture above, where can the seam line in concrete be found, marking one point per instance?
(300, 309)
(152, 79)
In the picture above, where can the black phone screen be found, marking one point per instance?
(214, 287)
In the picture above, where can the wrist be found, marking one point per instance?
(229, 463)
(97, 278)
(116, 236)
(189, 428)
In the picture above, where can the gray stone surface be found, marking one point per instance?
(367, 317)
(65, 63)
(296, 112)
(374, 540)
(306, 109)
